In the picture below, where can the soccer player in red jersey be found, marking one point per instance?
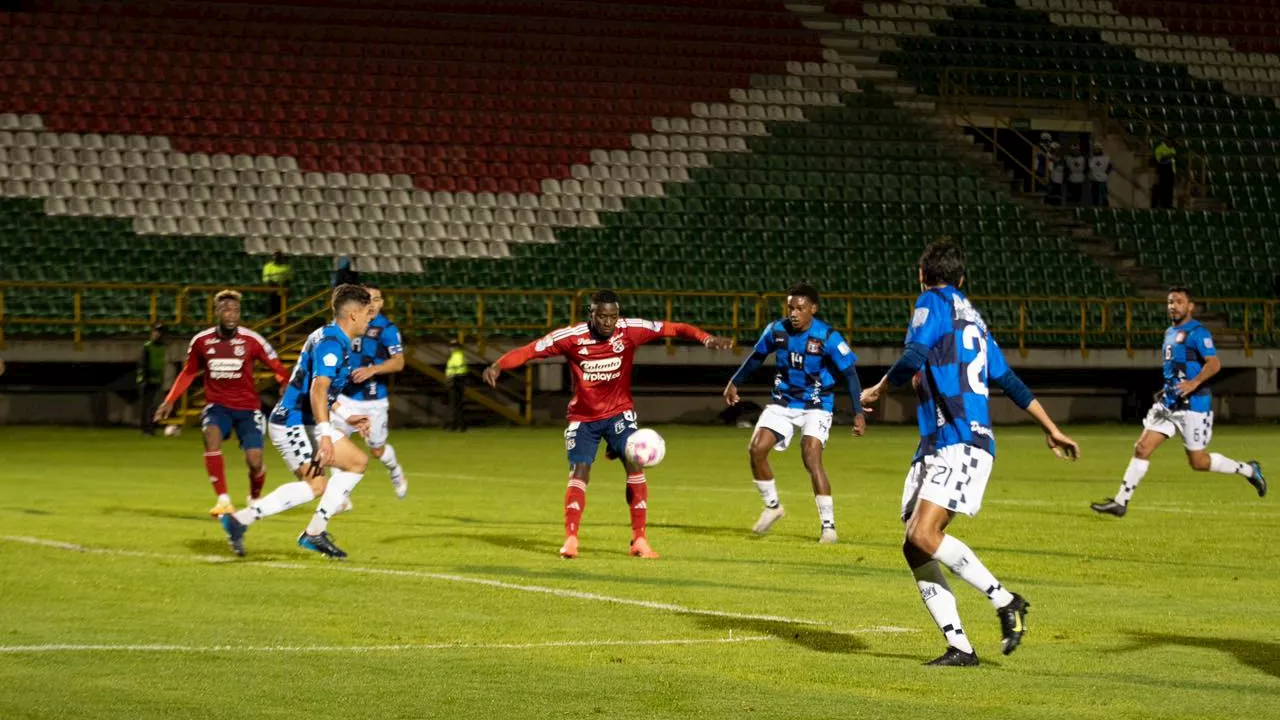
(600, 353)
(227, 354)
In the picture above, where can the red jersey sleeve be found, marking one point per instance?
(549, 345)
(645, 331)
(267, 355)
(190, 369)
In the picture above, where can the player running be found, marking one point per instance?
(300, 429)
(227, 353)
(600, 353)
(378, 352)
(949, 343)
(1183, 406)
(811, 357)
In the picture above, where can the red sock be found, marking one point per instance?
(217, 473)
(638, 501)
(256, 482)
(575, 501)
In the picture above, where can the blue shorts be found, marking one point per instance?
(247, 424)
(582, 440)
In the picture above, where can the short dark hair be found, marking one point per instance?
(603, 297)
(346, 293)
(804, 290)
(1180, 289)
(942, 263)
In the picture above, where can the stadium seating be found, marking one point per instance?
(1218, 99)
(534, 145)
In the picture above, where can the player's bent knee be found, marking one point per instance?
(379, 451)
(1199, 461)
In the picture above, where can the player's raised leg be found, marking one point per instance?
(1151, 439)
(295, 445)
(386, 454)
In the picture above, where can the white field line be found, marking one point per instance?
(447, 577)
(400, 647)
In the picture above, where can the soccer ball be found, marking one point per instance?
(172, 430)
(646, 448)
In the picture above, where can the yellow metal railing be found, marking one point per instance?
(478, 314)
(1088, 322)
(169, 304)
(960, 83)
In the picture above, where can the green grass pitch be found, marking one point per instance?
(119, 599)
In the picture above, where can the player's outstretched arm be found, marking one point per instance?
(1021, 395)
(190, 370)
(547, 346)
(758, 355)
(686, 331)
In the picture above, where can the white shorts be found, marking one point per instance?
(296, 443)
(1196, 427)
(784, 421)
(954, 478)
(375, 410)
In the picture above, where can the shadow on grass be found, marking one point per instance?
(154, 513)
(807, 636)
(208, 546)
(1264, 656)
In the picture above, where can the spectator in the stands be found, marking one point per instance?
(1056, 174)
(1100, 170)
(343, 274)
(277, 273)
(1076, 165)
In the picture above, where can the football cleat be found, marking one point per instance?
(1258, 481)
(955, 658)
(322, 543)
(1110, 507)
(1013, 623)
(640, 548)
(767, 519)
(235, 532)
(222, 508)
(400, 484)
(828, 536)
(569, 550)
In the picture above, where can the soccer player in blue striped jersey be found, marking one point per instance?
(812, 359)
(950, 348)
(1184, 405)
(300, 429)
(375, 354)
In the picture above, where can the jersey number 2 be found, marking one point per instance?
(974, 339)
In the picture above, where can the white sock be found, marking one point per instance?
(341, 483)
(941, 604)
(1132, 476)
(826, 509)
(768, 492)
(1222, 464)
(282, 498)
(957, 556)
(389, 460)
(224, 499)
